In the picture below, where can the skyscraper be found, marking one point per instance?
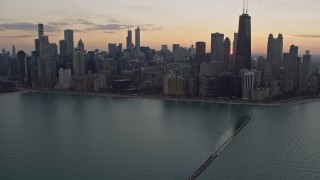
(80, 46)
(37, 41)
(47, 72)
(234, 52)
(305, 71)
(275, 52)
(247, 83)
(21, 66)
(290, 61)
(234, 44)
(176, 52)
(14, 54)
(164, 47)
(112, 49)
(137, 39)
(40, 31)
(146, 51)
(63, 47)
(5, 62)
(243, 53)
(79, 63)
(129, 40)
(119, 48)
(37, 46)
(200, 52)
(227, 57)
(0, 64)
(68, 37)
(217, 50)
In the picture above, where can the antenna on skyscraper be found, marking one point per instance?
(243, 6)
(247, 6)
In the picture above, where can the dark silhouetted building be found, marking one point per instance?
(137, 39)
(290, 61)
(147, 54)
(227, 56)
(217, 52)
(21, 66)
(200, 52)
(129, 40)
(275, 52)
(112, 49)
(80, 46)
(64, 60)
(68, 37)
(305, 71)
(243, 53)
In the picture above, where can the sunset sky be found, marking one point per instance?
(99, 22)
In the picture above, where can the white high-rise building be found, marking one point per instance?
(247, 83)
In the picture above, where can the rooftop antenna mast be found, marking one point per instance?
(247, 6)
(243, 6)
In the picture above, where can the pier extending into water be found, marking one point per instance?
(211, 158)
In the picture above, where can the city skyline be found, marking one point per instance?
(97, 25)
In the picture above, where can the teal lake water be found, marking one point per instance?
(62, 136)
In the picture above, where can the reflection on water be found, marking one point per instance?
(56, 136)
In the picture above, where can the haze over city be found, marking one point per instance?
(158, 89)
(100, 22)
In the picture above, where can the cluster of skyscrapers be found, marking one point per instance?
(227, 71)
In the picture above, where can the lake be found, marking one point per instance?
(63, 136)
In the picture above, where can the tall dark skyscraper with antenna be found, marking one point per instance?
(137, 39)
(243, 54)
(129, 40)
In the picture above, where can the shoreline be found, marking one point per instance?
(286, 102)
(16, 92)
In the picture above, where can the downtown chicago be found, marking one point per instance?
(227, 71)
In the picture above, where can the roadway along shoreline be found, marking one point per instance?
(293, 101)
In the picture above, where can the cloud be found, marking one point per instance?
(58, 23)
(27, 27)
(108, 27)
(150, 27)
(84, 21)
(312, 36)
(18, 36)
(19, 26)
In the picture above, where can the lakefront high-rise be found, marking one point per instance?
(275, 51)
(217, 52)
(243, 54)
(68, 37)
